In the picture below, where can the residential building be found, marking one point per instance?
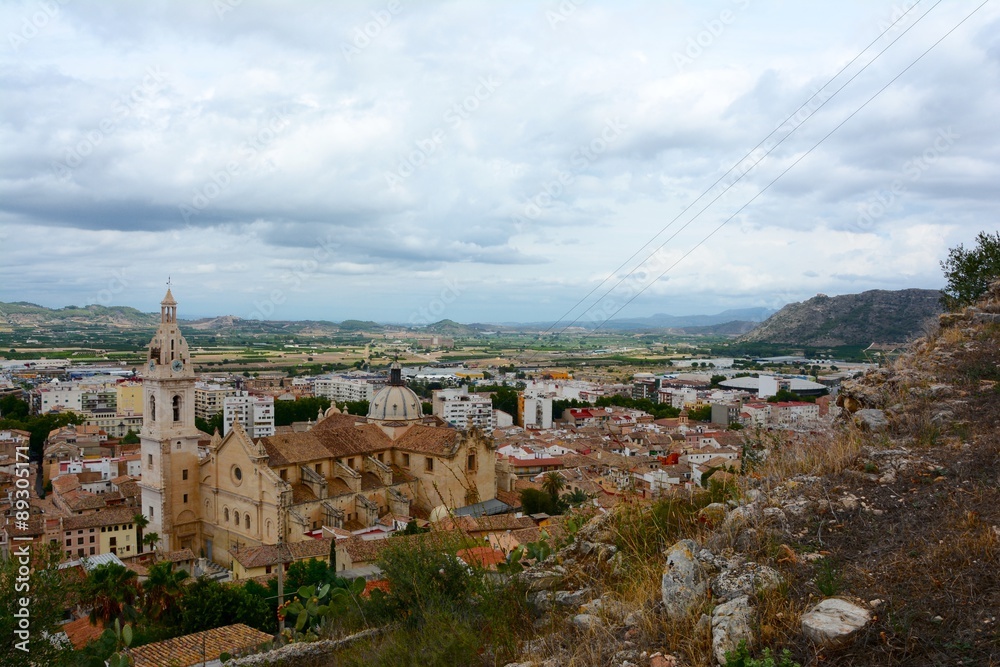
(464, 410)
(254, 413)
(209, 399)
(348, 387)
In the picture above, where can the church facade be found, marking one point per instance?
(344, 472)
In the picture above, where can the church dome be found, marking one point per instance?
(395, 401)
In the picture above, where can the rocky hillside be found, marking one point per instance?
(875, 544)
(876, 316)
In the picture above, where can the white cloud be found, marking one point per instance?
(277, 144)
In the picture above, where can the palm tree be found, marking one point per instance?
(552, 484)
(111, 591)
(162, 590)
(140, 522)
(151, 539)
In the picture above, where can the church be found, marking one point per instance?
(344, 472)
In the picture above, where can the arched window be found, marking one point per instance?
(267, 527)
(225, 514)
(177, 408)
(236, 519)
(152, 408)
(246, 521)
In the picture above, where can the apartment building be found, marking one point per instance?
(254, 413)
(464, 410)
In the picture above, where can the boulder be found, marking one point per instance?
(732, 622)
(745, 579)
(684, 582)
(833, 622)
(712, 514)
(585, 622)
(871, 419)
(541, 580)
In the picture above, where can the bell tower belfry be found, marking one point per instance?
(169, 438)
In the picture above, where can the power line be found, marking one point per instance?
(747, 155)
(799, 159)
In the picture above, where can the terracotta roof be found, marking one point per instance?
(369, 481)
(368, 551)
(303, 494)
(485, 557)
(81, 631)
(267, 554)
(65, 483)
(502, 522)
(290, 448)
(83, 500)
(337, 487)
(380, 584)
(201, 646)
(179, 556)
(114, 516)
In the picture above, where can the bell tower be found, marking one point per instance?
(169, 438)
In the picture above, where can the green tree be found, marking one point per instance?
(207, 604)
(356, 407)
(140, 522)
(312, 572)
(130, 438)
(970, 272)
(717, 379)
(151, 540)
(552, 484)
(12, 407)
(702, 414)
(47, 587)
(111, 591)
(162, 592)
(534, 501)
(209, 425)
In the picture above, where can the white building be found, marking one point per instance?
(209, 399)
(57, 395)
(464, 410)
(537, 411)
(254, 413)
(350, 387)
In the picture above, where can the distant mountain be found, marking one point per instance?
(876, 316)
(23, 313)
(734, 328)
(664, 321)
(452, 328)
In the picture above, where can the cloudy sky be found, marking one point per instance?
(486, 161)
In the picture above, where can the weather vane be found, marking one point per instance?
(168, 281)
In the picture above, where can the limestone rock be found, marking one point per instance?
(541, 580)
(834, 622)
(745, 579)
(712, 514)
(732, 622)
(684, 583)
(871, 419)
(585, 622)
